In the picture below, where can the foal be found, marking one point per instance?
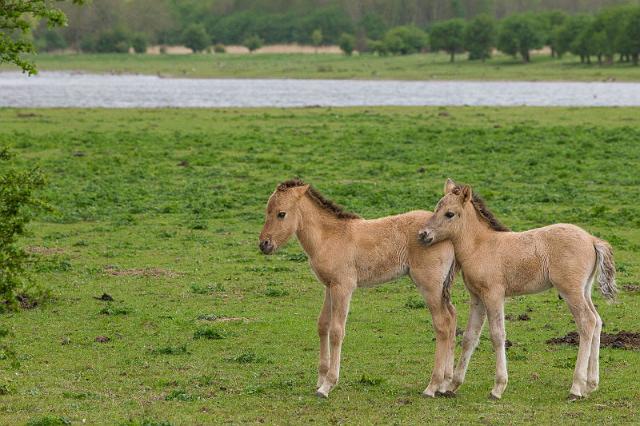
(346, 252)
(497, 263)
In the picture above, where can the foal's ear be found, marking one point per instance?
(465, 193)
(449, 185)
(299, 191)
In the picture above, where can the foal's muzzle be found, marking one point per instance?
(425, 236)
(266, 246)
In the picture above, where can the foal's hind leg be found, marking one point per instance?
(443, 323)
(324, 322)
(593, 370)
(586, 323)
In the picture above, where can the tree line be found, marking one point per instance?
(362, 25)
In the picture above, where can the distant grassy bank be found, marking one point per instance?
(431, 66)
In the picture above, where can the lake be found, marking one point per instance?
(65, 89)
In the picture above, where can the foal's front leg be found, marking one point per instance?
(495, 314)
(324, 322)
(340, 299)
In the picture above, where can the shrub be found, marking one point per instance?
(405, 40)
(316, 38)
(253, 43)
(17, 204)
(195, 37)
(347, 43)
(53, 40)
(114, 41)
(219, 48)
(139, 43)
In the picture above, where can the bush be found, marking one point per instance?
(632, 34)
(114, 41)
(347, 43)
(405, 40)
(519, 34)
(316, 38)
(253, 43)
(53, 40)
(17, 203)
(219, 48)
(480, 37)
(195, 37)
(448, 36)
(139, 43)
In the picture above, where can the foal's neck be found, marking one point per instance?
(474, 233)
(315, 225)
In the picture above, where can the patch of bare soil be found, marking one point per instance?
(105, 298)
(140, 272)
(631, 288)
(26, 302)
(46, 251)
(621, 340)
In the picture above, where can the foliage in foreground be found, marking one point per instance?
(16, 203)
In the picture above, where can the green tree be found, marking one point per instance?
(448, 36)
(373, 26)
(405, 40)
(582, 44)
(51, 40)
(480, 37)
(252, 43)
(195, 37)
(316, 38)
(17, 203)
(347, 43)
(632, 34)
(565, 35)
(16, 20)
(550, 21)
(519, 34)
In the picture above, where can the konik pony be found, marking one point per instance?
(346, 251)
(497, 263)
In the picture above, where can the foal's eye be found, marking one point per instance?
(281, 215)
(449, 215)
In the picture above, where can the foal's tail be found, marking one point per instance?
(448, 281)
(606, 269)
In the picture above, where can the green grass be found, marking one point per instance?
(204, 329)
(414, 67)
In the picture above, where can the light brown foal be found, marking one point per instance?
(346, 251)
(497, 263)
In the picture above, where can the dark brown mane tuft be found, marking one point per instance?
(319, 199)
(486, 214)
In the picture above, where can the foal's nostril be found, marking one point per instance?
(265, 246)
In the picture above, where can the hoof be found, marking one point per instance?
(321, 395)
(573, 397)
(428, 395)
(492, 397)
(446, 394)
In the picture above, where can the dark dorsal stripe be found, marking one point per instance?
(319, 199)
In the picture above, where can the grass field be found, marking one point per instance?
(414, 67)
(162, 210)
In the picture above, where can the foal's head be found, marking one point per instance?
(449, 214)
(453, 210)
(282, 215)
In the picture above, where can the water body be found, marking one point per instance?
(65, 89)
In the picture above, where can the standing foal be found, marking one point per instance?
(497, 263)
(346, 252)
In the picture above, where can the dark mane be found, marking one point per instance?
(319, 199)
(483, 211)
(486, 214)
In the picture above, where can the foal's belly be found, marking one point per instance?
(372, 276)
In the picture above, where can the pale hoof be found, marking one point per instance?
(492, 397)
(446, 394)
(573, 397)
(426, 394)
(322, 395)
